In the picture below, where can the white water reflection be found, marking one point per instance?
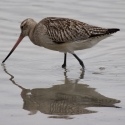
(70, 98)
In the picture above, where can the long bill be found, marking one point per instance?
(14, 47)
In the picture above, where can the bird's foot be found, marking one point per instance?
(64, 66)
(82, 64)
(83, 69)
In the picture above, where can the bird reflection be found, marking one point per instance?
(69, 98)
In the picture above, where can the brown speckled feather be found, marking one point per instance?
(62, 30)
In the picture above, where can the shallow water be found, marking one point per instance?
(33, 86)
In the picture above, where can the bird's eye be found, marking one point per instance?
(21, 27)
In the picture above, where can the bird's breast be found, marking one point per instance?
(39, 36)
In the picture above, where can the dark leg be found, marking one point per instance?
(64, 64)
(80, 61)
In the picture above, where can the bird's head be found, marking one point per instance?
(26, 27)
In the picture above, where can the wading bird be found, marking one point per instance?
(62, 34)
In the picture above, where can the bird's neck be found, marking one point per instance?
(31, 31)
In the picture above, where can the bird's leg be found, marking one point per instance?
(64, 64)
(80, 61)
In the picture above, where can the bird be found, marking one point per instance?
(62, 34)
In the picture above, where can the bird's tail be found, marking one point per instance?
(113, 30)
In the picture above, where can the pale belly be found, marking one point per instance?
(69, 46)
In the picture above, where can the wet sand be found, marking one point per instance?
(34, 89)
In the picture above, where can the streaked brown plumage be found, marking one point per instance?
(69, 30)
(62, 34)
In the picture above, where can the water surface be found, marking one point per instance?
(33, 86)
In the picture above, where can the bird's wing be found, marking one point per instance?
(62, 30)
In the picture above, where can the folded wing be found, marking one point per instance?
(62, 30)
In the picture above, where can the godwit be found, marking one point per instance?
(62, 34)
